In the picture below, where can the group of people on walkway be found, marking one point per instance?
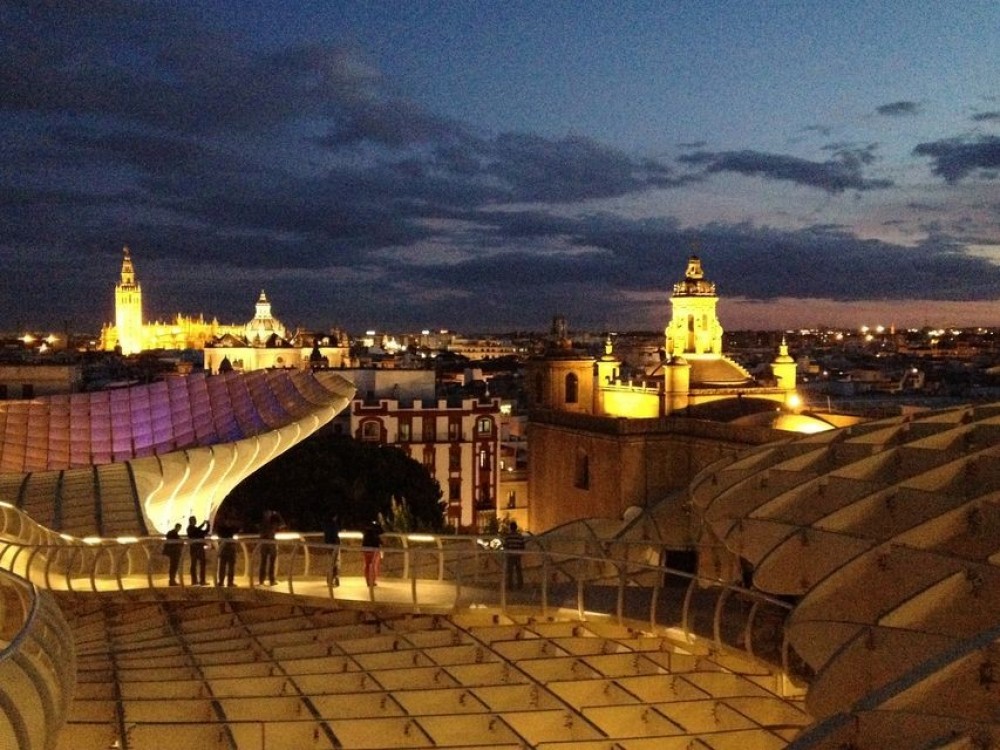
(225, 530)
(226, 527)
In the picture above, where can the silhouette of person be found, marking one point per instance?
(269, 527)
(226, 529)
(196, 533)
(371, 541)
(513, 545)
(173, 547)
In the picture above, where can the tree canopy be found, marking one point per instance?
(331, 474)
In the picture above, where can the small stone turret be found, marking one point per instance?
(783, 368)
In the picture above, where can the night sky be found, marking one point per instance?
(487, 165)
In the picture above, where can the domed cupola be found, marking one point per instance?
(695, 283)
(264, 325)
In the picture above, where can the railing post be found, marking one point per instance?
(748, 629)
(291, 567)
(653, 604)
(503, 581)
(717, 617)
(440, 547)
(458, 580)
(149, 565)
(621, 592)
(413, 583)
(545, 583)
(686, 608)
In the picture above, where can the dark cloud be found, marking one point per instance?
(746, 260)
(843, 172)
(538, 169)
(823, 130)
(986, 117)
(956, 158)
(155, 66)
(899, 109)
(228, 169)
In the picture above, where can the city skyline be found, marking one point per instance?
(484, 167)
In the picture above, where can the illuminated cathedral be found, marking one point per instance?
(132, 335)
(260, 344)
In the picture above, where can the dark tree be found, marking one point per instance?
(335, 474)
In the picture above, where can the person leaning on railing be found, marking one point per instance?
(173, 547)
(513, 542)
(371, 541)
(225, 529)
(269, 528)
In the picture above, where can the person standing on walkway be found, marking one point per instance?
(173, 548)
(196, 533)
(226, 529)
(513, 546)
(269, 528)
(371, 541)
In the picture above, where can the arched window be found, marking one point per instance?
(371, 432)
(572, 388)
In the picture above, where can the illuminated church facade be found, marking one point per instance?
(132, 335)
(260, 344)
(692, 369)
(607, 436)
(264, 343)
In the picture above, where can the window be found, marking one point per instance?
(455, 458)
(581, 478)
(484, 426)
(484, 499)
(512, 499)
(454, 489)
(430, 429)
(572, 388)
(454, 429)
(404, 432)
(371, 432)
(484, 459)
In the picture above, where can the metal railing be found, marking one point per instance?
(37, 665)
(439, 573)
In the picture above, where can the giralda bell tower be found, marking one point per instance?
(128, 308)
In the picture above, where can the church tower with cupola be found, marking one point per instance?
(694, 328)
(784, 370)
(264, 325)
(128, 309)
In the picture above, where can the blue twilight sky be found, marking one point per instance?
(487, 165)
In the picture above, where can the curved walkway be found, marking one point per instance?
(591, 652)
